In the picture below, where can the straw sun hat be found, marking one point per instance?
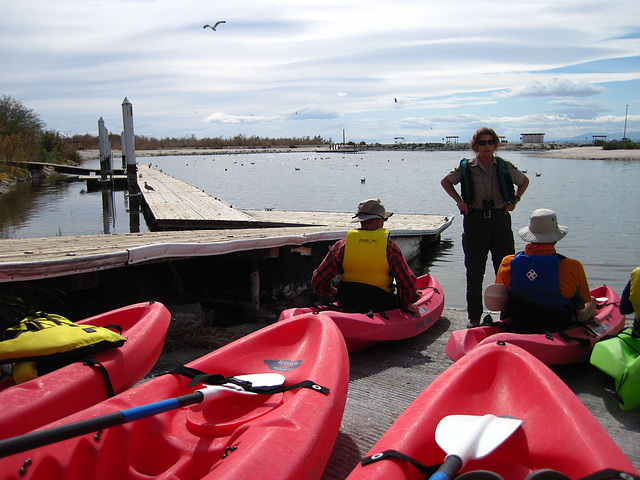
(372, 208)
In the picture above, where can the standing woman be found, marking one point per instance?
(487, 195)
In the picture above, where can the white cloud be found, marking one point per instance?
(556, 87)
(313, 112)
(331, 63)
(224, 118)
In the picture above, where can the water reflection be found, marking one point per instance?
(431, 254)
(108, 211)
(56, 207)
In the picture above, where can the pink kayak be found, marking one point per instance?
(574, 345)
(77, 386)
(235, 435)
(557, 431)
(362, 330)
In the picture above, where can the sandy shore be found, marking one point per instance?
(575, 153)
(590, 153)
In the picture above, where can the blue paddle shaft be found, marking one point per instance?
(144, 411)
(451, 465)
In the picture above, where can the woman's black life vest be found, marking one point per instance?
(504, 178)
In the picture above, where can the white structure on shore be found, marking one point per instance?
(532, 137)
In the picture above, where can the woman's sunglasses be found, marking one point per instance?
(482, 143)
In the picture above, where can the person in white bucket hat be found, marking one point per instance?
(547, 291)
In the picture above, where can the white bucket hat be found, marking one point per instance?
(543, 227)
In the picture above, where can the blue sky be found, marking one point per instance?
(417, 69)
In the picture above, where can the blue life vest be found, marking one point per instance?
(536, 278)
(504, 179)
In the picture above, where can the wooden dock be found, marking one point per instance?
(41, 258)
(201, 226)
(175, 204)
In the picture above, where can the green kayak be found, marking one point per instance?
(620, 357)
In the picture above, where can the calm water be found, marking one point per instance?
(597, 200)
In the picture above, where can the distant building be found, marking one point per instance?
(532, 137)
(598, 138)
(503, 140)
(452, 139)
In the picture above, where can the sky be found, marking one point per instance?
(383, 71)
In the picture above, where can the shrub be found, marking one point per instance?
(621, 145)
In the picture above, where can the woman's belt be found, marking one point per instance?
(489, 213)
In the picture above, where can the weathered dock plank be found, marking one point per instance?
(36, 258)
(174, 203)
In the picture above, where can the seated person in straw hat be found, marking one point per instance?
(547, 291)
(368, 263)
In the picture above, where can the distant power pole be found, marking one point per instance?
(624, 135)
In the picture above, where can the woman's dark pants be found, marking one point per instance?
(480, 236)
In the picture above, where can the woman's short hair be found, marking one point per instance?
(484, 131)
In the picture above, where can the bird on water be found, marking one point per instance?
(215, 26)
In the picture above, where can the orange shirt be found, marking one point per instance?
(571, 275)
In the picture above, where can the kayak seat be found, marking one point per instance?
(355, 297)
(228, 411)
(479, 475)
(546, 474)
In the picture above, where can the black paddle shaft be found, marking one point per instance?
(39, 438)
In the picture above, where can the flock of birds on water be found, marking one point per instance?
(362, 180)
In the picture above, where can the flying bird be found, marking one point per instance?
(214, 27)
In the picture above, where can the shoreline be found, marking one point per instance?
(590, 153)
(562, 151)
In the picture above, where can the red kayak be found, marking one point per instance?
(282, 435)
(363, 330)
(498, 383)
(77, 386)
(574, 345)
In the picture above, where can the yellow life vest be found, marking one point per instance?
(47, 339)
(634, 291)
(365, 258)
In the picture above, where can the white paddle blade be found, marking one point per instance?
(474, 436)
(256, 379)
(496, 297)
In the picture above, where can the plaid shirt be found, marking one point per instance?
(400, 271)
